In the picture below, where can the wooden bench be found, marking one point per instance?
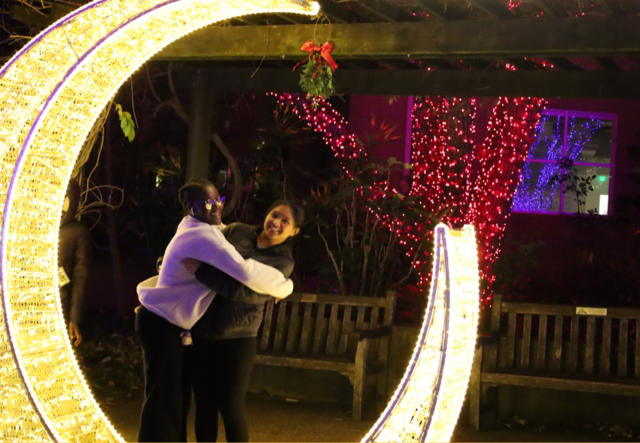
(560, 347)
(346, 334)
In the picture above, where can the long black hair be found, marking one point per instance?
(286, 247)
(194, 190)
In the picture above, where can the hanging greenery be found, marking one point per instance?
(126, 123)
(317, 73)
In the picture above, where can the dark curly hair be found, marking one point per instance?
(194, 190)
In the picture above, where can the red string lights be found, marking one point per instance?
(464, 182)
(501, 158)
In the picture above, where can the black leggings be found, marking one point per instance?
(163, 353)
(219, 371)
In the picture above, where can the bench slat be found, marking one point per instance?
(317, 336)
(266, 325)
(280, 326)
(342, 300)
(618, 387)
(622, 347)
(556, 361)
(591, 341)
(605, 360)
(374, 347)
(525, 352)
(333, 326)
(307, 327)
(346, 330)
(511, 341)
(309, 363)
(542, 343)
(572, 360)
(564, 310)
(360, 318)
(294, 323)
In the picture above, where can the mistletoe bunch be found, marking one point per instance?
(317, 73)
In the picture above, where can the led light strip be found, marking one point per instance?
(426, 405)
(51, 93)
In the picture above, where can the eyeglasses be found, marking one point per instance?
(217, 201)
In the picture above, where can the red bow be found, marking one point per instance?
(324, 50)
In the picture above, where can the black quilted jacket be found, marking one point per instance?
(237, 311)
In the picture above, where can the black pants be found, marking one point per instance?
(163, 354)
(219, 372)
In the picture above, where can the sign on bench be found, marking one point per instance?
(345, 334)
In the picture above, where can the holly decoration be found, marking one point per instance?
(317, 73)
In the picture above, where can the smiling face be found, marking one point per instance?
(279, 225)
(206, 209)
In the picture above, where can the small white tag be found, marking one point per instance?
(62, 277)
(591, 311)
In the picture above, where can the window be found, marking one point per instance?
(571, 151)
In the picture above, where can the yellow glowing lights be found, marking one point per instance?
(51, 93)
(426, 405)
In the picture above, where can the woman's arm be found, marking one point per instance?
(230, 288)
(212, 248)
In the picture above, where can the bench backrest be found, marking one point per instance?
(318, 324)
(566, 338)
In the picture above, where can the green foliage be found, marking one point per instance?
(579, 185)
(515, 264)
(126, 123)
(317, 78)
(357, 219)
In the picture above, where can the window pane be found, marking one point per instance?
(596, 200)
(589, 140)
(536, 193)
(549, 138)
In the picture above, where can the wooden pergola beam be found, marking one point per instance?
(549, 84)
(562, 37)
(386, 11)
(492, 8)
(611, 7)
(439, 10)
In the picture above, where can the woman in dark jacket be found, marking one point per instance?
(225, 339)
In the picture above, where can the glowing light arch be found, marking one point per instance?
(426, 404)
(51, 93)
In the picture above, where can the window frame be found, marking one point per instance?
(566, 113)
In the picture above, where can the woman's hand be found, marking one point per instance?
(191, 264)
(74, 334)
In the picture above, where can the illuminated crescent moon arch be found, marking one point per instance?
(51, 93)
(426, 404)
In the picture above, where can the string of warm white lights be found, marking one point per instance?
(426, 404)
(51, 93)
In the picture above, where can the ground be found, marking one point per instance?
(279, 420)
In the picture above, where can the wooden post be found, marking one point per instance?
(201, 114)
(358, 379)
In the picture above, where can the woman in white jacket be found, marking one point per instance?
(175, 300)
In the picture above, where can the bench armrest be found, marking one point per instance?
(382, 331)
(487, 338)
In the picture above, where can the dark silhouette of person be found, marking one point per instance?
(74, 256)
